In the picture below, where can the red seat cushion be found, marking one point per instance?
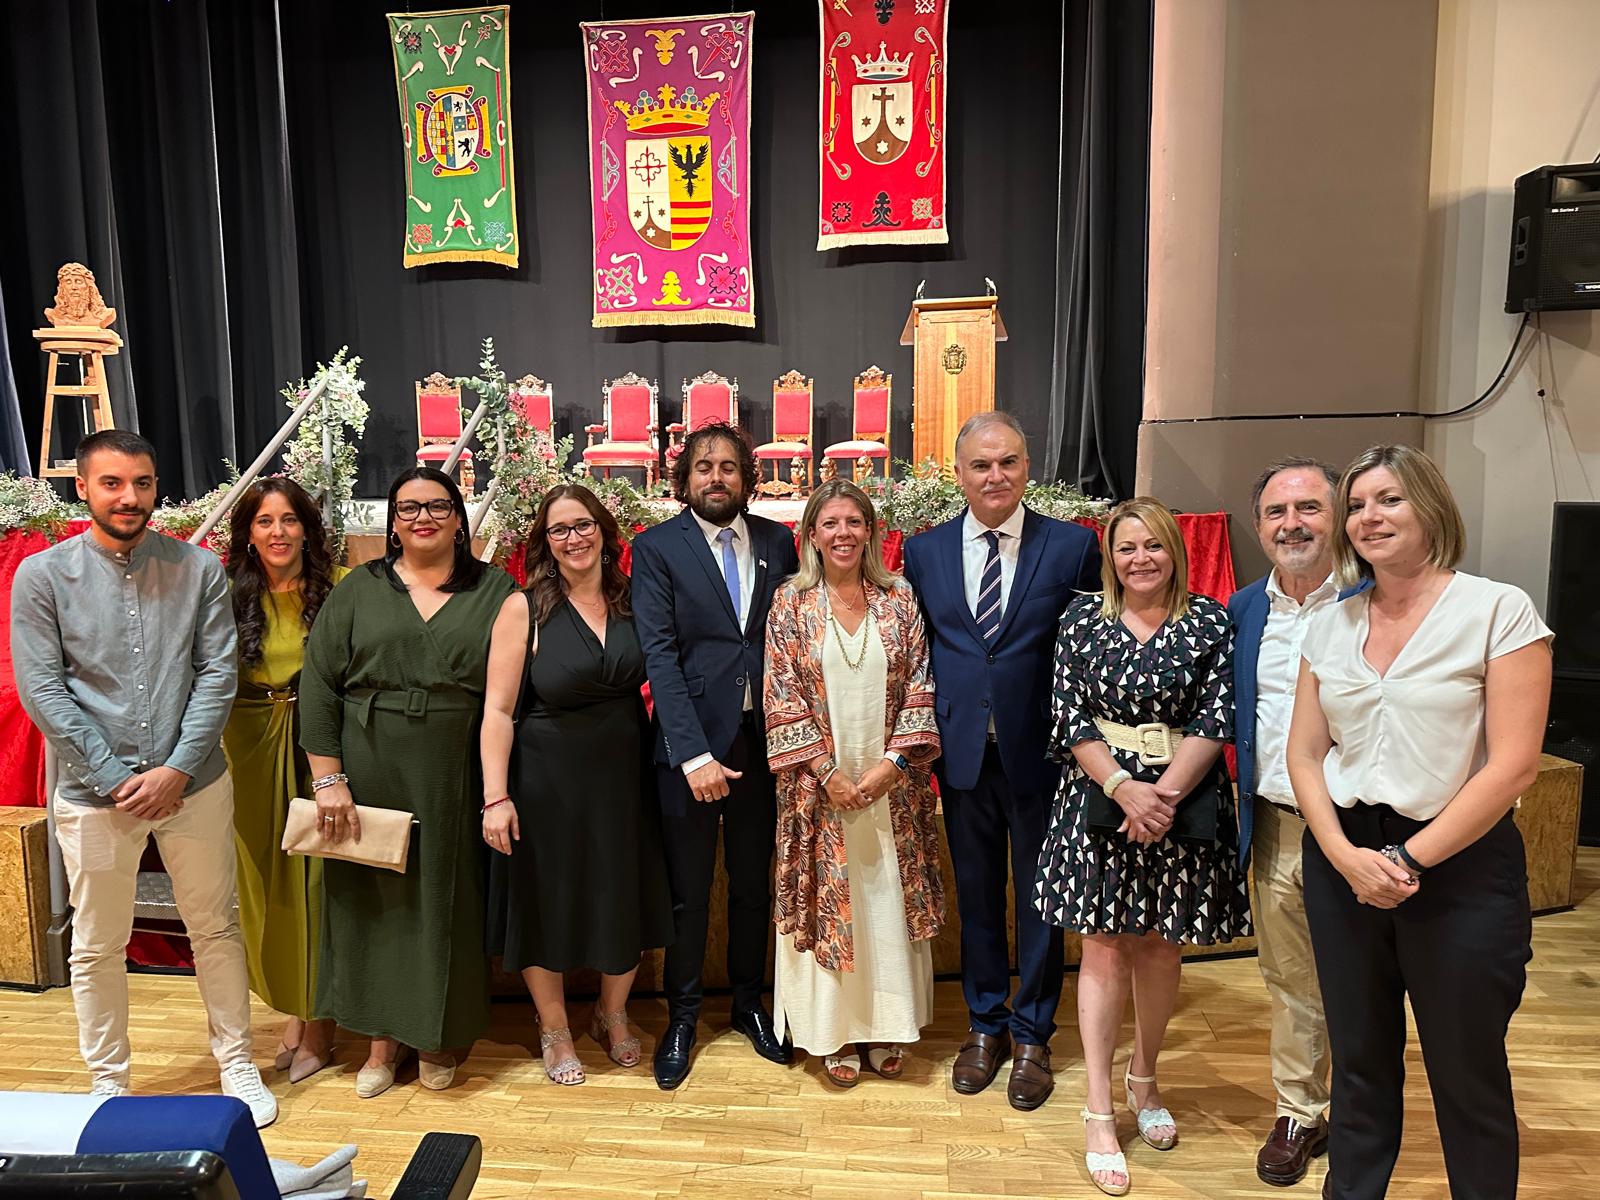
(620, 452)
(782, 450)
(857, 450)
(438, 453)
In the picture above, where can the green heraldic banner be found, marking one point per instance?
(454, 87)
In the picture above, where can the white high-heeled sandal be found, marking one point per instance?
(1149, 1118)
(1106, 1164)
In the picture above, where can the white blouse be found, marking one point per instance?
(1413, 737)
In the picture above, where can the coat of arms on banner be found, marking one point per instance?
(883, 122)
(669, 165)
(454, 88)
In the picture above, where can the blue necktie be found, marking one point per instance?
(730, 568)
(989, 590)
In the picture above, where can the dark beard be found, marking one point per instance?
(717, 510)
(112, 532)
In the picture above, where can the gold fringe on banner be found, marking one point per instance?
(701, 316)
(911, 237)
(501, 257)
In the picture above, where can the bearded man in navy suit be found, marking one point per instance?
(702, 586)
(992, 583)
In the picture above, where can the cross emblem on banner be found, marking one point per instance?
(647, 166)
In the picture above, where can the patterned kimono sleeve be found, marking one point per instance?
(1072, 720)
(1213, 715)
(794, 735)
(916, 735)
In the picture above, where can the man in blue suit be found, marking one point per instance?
(1293, 507)
(702, 585)
(992, 583)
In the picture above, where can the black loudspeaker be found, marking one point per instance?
(1574, 734)
(1555, 240)
(1573, 603)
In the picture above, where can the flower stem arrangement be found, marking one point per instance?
(32, 505)
(343, 413)
(180, 518)
(928, 493)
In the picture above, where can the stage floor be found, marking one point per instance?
(742, 1127)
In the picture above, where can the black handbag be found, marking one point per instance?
(1195, 820)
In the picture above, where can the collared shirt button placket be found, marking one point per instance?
(141, 671)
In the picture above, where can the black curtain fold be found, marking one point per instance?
(231, 171)
(1097, 363)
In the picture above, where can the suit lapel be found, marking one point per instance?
(758, 563)
(952, 558)
(1029, 556)
(1247, 647)
(700, 549)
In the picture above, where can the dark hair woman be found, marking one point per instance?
(565, 756)
(282, 572)
(390, 703)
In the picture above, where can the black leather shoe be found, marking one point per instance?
(756, 1025)
(673, 1053)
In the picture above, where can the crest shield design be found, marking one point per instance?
(669, 189)
(453, 130)
(881, 120)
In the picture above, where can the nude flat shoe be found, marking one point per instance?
(436, 1076)
(374, 1081)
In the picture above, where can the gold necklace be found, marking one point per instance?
(838, 636)
(856, 607)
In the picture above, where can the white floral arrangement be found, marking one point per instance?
(929, 494)
(342, 411)
(31, 504)
(182, 517)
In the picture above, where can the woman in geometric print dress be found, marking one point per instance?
(1145, 652)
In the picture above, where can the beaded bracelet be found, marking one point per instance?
(327, 781)
(492, 803)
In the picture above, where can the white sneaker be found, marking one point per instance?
(109, 1087)
(243, 1082)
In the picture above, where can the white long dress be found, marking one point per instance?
(889, 995)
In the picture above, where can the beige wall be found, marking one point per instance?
(1288, 197)
(1517, 85)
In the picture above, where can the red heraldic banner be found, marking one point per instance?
(669, 169)
(883, 112)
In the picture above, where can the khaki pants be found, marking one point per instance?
(1300, 1056)
(101, 848)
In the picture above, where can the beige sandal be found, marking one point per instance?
(1107, 1164)
(834, 1062)
(567, 1065)
(625, 1053)
(877, 1056)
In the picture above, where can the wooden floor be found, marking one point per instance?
(742, 1127)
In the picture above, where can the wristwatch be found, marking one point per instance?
(828, 768)
(902, 764)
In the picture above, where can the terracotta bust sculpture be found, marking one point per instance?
(78, 300)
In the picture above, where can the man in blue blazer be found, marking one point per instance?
(1292, 503)
(992, 583)
(702, 585)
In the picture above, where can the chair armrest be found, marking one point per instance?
(444, 1167)
(677, 427)
(594, 428)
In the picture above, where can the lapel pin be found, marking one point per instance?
(762, 562)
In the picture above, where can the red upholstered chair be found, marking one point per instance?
(532, 400)
(439, 424)
(871, 428)
(706, 398)
(630, 427)
(791, 436)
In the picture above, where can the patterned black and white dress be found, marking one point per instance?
(1094, 882)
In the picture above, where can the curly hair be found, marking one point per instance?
(250, 577)
(546, 588)
(695, 445)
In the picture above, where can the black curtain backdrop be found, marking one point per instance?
(247, 162)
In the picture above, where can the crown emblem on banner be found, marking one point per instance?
(668, 112)
(883, 67)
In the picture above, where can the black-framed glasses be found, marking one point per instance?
(410, 510)
(583, 528)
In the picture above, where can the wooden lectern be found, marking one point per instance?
(954, 372)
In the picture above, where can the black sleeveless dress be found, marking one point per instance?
(587, 882)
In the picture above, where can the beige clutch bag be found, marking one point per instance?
(385, 836)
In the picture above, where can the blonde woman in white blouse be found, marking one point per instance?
(1417, 723)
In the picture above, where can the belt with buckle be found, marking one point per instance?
(1153, 742)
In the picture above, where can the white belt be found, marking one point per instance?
(1153, 742)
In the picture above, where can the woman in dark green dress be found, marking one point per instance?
(390, 701)
(565, 752)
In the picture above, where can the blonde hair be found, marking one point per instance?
(1425, 490)
(810, 573)
(1163, 526)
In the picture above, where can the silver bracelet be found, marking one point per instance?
(327, 781)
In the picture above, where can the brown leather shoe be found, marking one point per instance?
(979, 1061)
(1031, 1080)
(1287, 1153)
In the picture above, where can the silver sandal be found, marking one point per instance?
(626, 1053)
(554, 1037)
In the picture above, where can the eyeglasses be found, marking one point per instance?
(410, 510)
(583, 528)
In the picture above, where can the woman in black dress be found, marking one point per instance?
(1143, 850)
(564, 756)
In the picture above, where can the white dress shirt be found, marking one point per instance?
(746, 559)
(975, 553)
(1277, 672)
(1411, 738)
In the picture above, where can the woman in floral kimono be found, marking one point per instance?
(850, 737)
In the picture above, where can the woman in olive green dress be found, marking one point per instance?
(390, 702)
(282, 571)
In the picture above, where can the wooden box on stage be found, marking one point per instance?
(24, 896)
(1548, 821)
(954, 373)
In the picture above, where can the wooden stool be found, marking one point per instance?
(89, 346)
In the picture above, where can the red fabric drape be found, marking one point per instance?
(21, 746)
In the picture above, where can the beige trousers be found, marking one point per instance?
(1300, 1055)
(101, 848)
